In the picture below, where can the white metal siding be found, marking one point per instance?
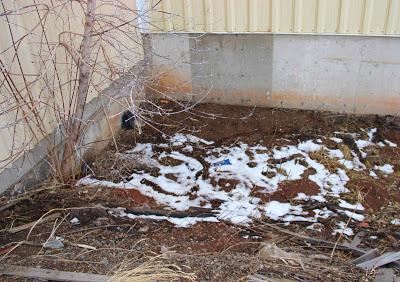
(359, 17)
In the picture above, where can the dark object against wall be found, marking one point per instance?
(128, 120)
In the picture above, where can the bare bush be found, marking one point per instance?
(58, 56)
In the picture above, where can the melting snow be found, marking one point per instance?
(373, 174)
(391, 144)
(75, 221)
(387, 168)
(343, 229)
(181, 222)
(337, 140)
(346, 205)
(395, 221)
(352, 215)
(275, 210)
(249, 167)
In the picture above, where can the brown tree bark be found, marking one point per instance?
(74, 126)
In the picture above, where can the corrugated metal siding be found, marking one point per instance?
(360, 17)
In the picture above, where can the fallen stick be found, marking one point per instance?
(390, 257)
(10, 204)
(84, 246)
(320, 242)
(198, 212)
(49, 274)
(176, 214)
(33, 223)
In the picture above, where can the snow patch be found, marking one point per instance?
(346, 205)
(343, 229)
(387, 168)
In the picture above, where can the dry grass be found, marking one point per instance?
(117, 166)
(346, 152)
(355, 194)
(154, 269)
(323, 158)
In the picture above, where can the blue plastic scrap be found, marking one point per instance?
(224, 162)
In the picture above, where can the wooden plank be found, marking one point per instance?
(390, 257)
(49, 274)
(367, 256)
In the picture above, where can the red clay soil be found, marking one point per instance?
(391, 135)
(287, 191)
(135, 197)
(375, 194)
(227, 124)
(226, 185)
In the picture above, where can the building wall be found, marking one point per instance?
(338, 55)
(349, 74)
(49, 88)
(355, 17)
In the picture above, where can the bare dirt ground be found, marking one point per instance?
(213, 251)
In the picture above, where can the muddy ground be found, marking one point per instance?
(213, 251)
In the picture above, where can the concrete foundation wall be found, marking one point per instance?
(338, 73)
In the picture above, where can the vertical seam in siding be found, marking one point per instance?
(316, 16)
(297, 15)
(230, 10)
(270, 16)
(388, 9)
(208, 15)
(339, 17)
(293, 17)
(188, 15)
(253, 17)
(391, 26)
(275, 27)
(365, 22)
(168, 20)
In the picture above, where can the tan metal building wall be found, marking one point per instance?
(352, 17)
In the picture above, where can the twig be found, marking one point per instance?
(33, 223)
(320, 242)
(177, 214)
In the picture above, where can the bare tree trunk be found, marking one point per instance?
(73, 130)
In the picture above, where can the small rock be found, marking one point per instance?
(75, 221)
(54, 243)
(105, 262)
(102, 221)
(144, 229)
(163, 249)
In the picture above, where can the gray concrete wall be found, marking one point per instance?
(350, 74)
